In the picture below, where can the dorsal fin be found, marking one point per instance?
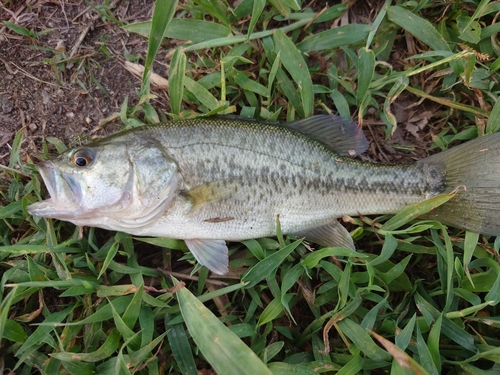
(342, 136)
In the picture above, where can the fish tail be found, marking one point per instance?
(474, 167)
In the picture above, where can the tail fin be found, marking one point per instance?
(476, 166)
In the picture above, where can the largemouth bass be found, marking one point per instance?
(209, 180)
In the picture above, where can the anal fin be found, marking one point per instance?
(210, 253)
(330, 235)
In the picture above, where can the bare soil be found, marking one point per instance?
(64, 83)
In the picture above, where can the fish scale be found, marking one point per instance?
(213, 179)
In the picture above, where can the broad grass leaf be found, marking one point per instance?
(145, 351)
(181, 349)
(109, 257)
(258, 7)
(470, 243)
(493, 296)
(282, 368)
(10, 211)
(106, 350)
(294, 63)
(128, 334)
(19, 29)
(116, 290)
(403, 338)
(271, 312)
(433, 341)
(399, 86)
(4, 310)
(335, 38)
(80, 368)
(290, 278)
(345, 284)
(390, 245)
(222, 348)
(493, 124)
(419, 27)
(403, 359)
(201, 93)
(445, 258)
(362, 340)
(470, 30)
(424, 355)
(354, 366)
(248, 84)
(176, 80)
(495, 66)
(162, 15)
(371, 317)
(412, 212)
(12, 330)
(289, 90)
(217, 9)
(271, 351)
(281, 7)
(264, 268)
(255, 248)
(312, 259)
(449, 329)
(340, 103)
(36, 338)
(395, 271)
(366, 70)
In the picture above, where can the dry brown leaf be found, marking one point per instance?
(155, 79)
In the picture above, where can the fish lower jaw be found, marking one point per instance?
(48, 209)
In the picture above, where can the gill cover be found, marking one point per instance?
(113, 185)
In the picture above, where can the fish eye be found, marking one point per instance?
(82, 157)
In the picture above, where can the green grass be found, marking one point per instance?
(416, 298)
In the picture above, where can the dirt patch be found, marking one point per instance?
(64, 83)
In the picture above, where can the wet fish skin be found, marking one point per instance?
(214, 179)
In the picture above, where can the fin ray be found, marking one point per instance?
(476, 166)
(343, 136)
(210, 253)
(333, 234)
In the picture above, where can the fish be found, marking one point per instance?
(215, 179)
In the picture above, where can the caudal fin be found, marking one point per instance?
(475, 165)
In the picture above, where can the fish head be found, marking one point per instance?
(113, 185)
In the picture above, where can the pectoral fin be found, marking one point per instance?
(210, 253)
(211, 192)
(330, 235)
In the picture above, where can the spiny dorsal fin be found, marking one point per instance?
(341, 135)
(333, 234)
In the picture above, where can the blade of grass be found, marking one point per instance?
(222, 348)
(366, 71)
(295, 64)
(162, 15)
(264, 268)
(181, 349)
(176, 80)
(334, 38)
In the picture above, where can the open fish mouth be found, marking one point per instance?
(64, 195)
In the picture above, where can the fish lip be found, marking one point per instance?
(58, 204)
(48, 174)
